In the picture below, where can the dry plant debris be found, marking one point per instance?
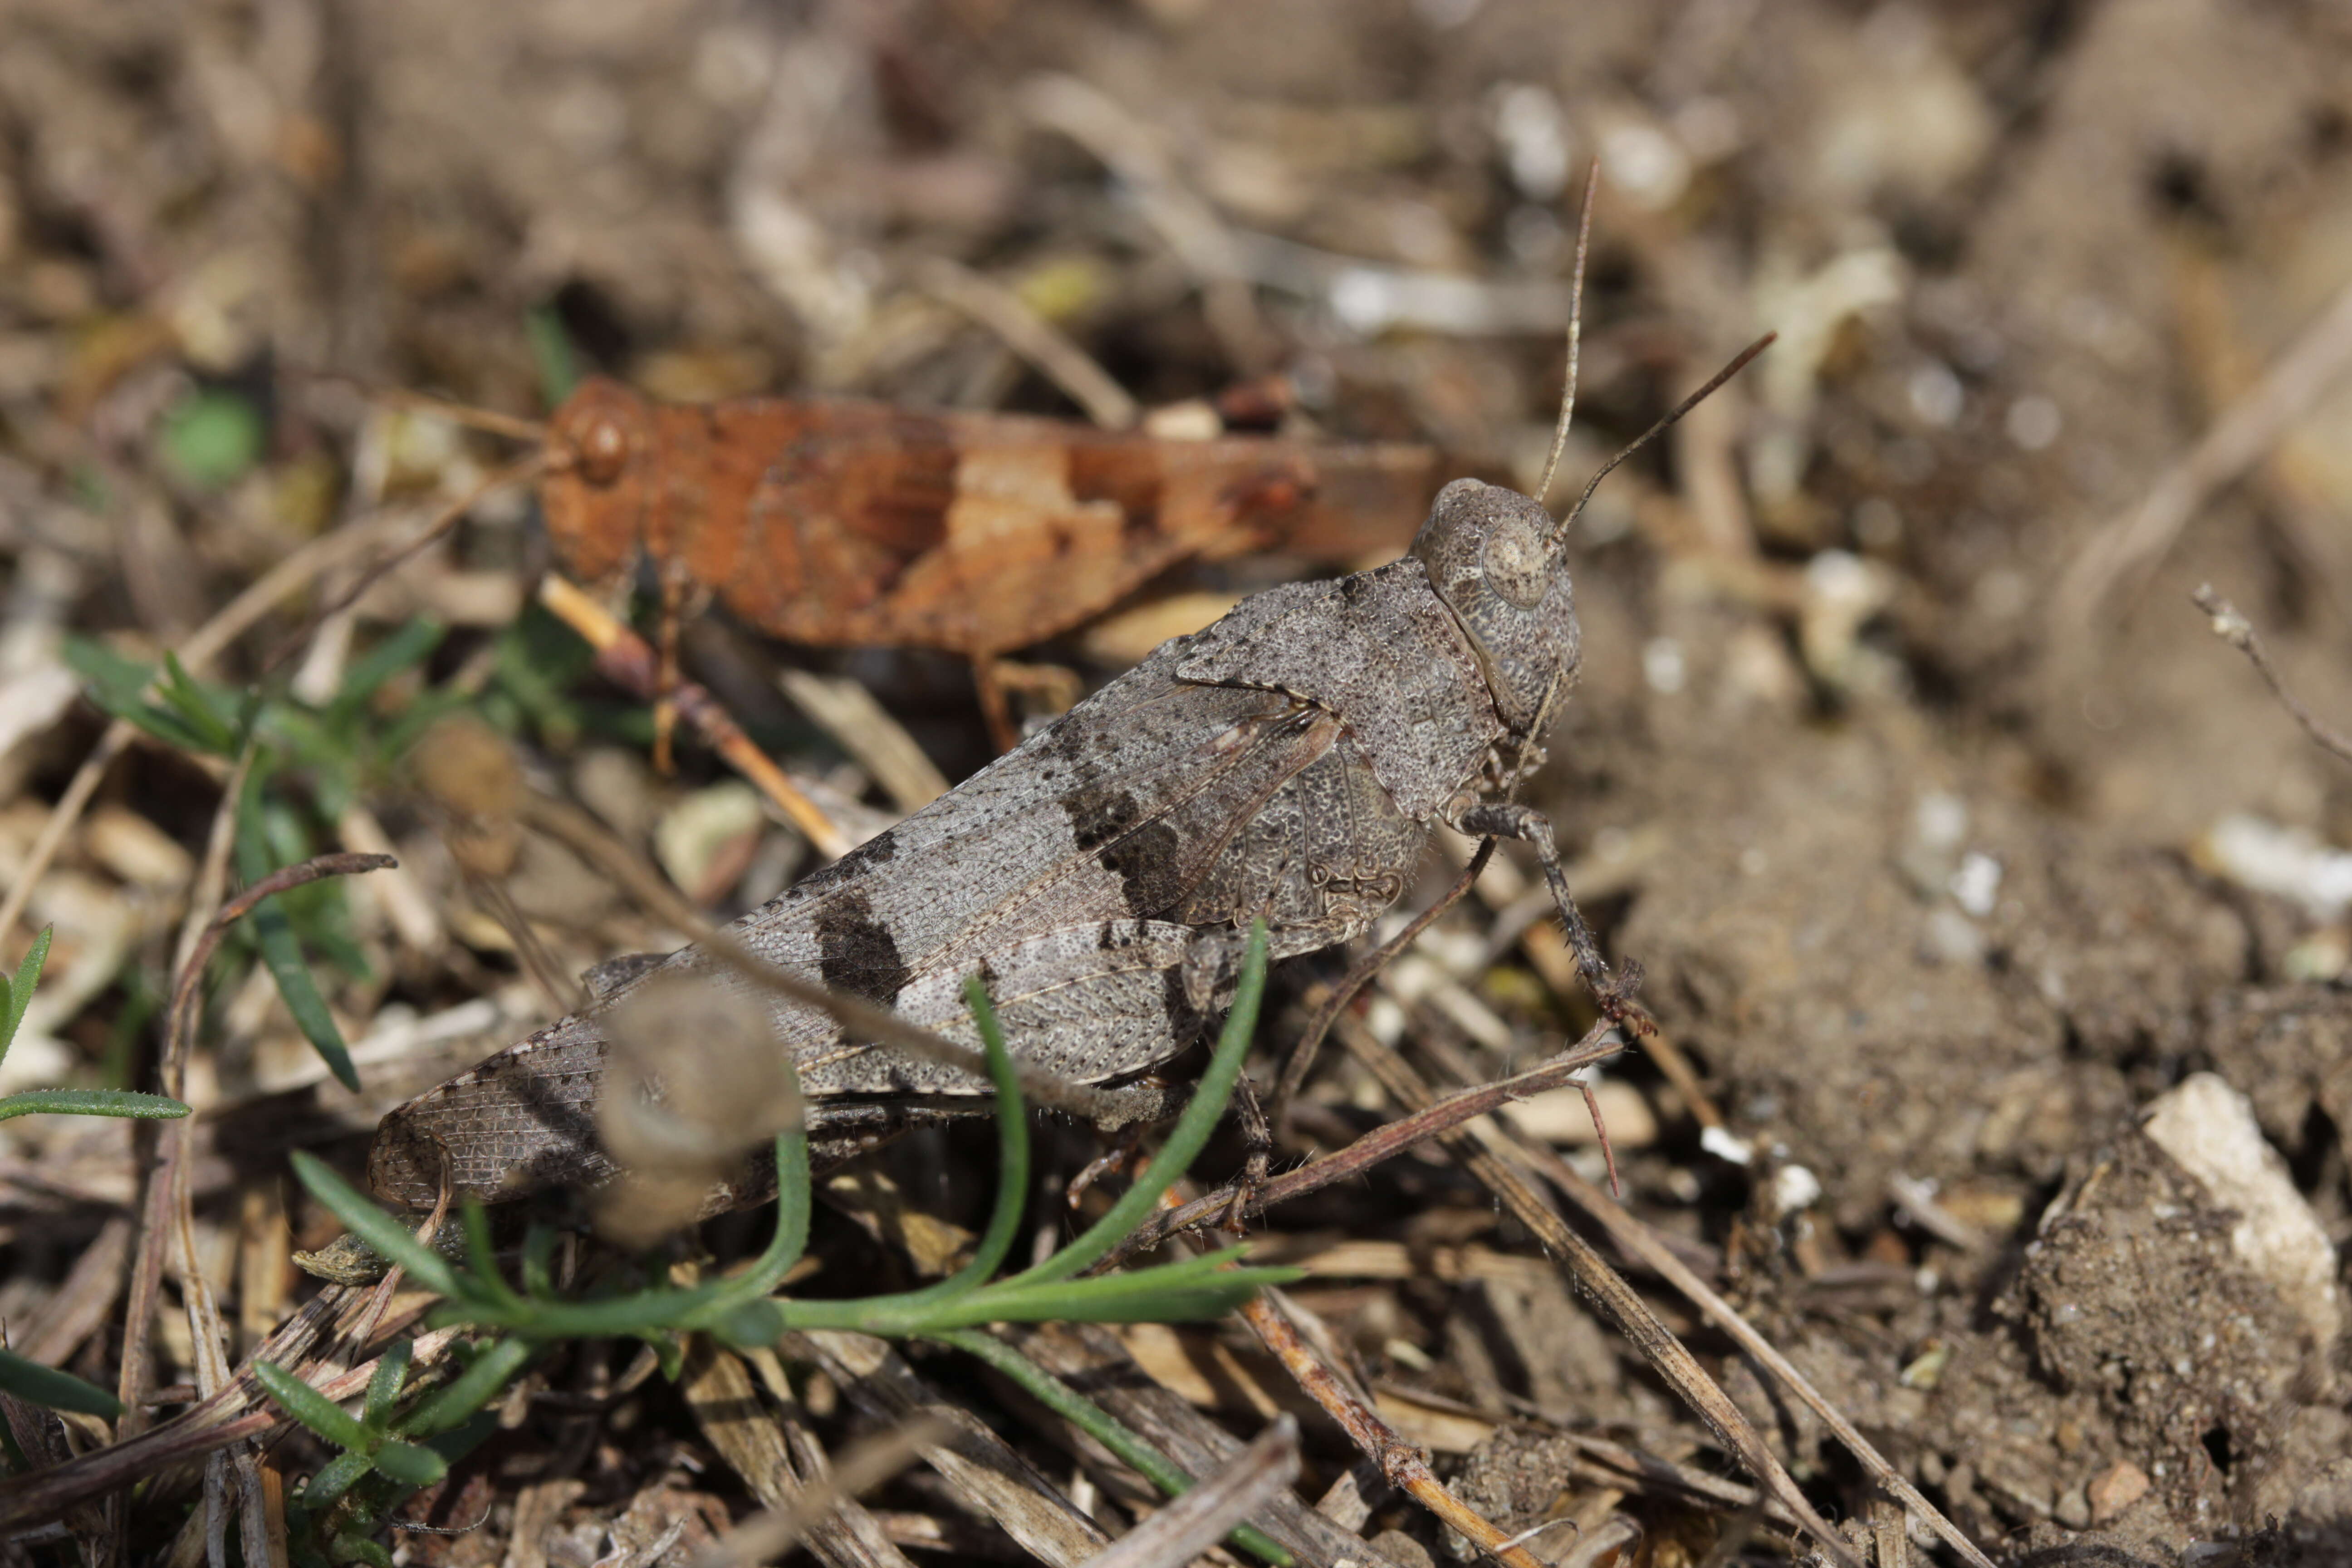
(1952, 849)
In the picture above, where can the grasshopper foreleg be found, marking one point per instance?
(1613, 993)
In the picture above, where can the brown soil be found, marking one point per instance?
(1921, 868)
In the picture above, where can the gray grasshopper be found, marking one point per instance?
(1289, 762)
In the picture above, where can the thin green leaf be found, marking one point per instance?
(91, 1102)
(1170, 1293)
(1185, 1140)
(106, 669)
(314, 1409)
(356, 1548)
(537, 1268)
(161, 722)
(481, 1258)
(792, 1213)
(194, 704)
(410, 1465)
(1012, 1153)
(474, 1387)
(281, 952)
(335, 1477)
(385, 1385)
(46, 1385)
(410, 645)
(18, 994)
(372, 1225)
(550, 349)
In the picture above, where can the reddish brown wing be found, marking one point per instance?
(980, 534)
(847, 522)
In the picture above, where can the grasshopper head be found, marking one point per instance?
(1494, 559)
(599, 448)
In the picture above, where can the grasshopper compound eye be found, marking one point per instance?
(1517, 556)
(604, 450)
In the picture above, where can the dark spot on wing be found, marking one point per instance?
(1098, 816)
(856, 951)
(1150, 863)
(878, 850)
(1355, 587)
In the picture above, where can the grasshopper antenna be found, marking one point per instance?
(448, 518)
(512, 427)
(1575, 335)
(1739, 363)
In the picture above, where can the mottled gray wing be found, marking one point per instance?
(1379, 648)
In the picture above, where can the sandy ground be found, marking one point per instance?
(1951, 841)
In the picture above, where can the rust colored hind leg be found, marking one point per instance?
(666, 676)
(995, 706)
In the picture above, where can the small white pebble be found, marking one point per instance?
(1662, 666)
(1645, 163)
(1725, 1145)
(1936, 396)
(1941, 820)
(2033, 422)
(1976, 886)
(1794, 1187)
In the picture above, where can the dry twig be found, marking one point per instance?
(1203, 1516)
(1383, 1143)
(1401, 1465)
(1617, 1300)
(2118, 557)
(2233, 629)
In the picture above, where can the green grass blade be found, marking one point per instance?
(792, 1219)
(482, 1261)
(410, 1465)
(1190, 1291)
(54, 1390)
(1012, 1156)
(280, 951)
(1185, 1140)
(18, 994)
(383, 1387)
(91, 1102)
(550, 351)
(410, 645)
(474, 1387)
(313, 1409)
(372, 1225)
(335, 1477)
(197, 707)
